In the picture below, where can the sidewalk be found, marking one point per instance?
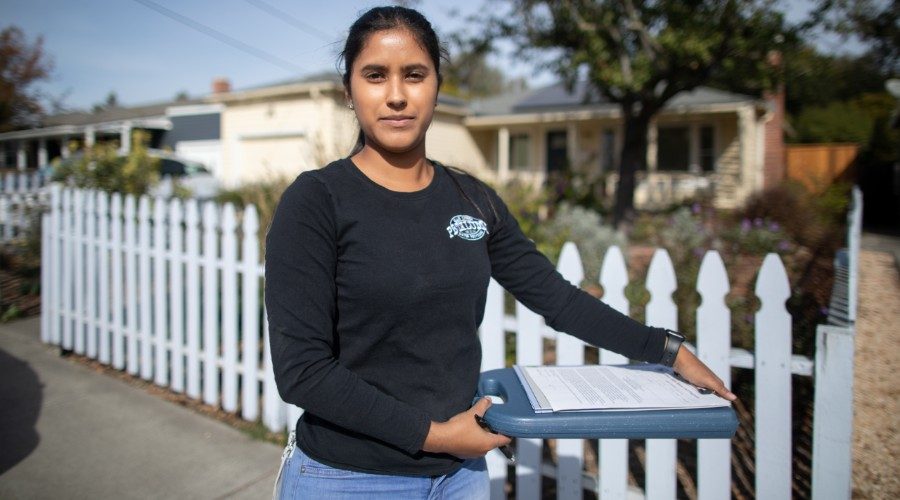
(68, 432)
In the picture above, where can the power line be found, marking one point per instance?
(293, 21)
(222, 37)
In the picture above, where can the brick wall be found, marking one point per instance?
(775, 152)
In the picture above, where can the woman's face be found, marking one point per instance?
(393, 88)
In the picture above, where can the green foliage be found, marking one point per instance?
(757, 237)
(834, 122)
(265, 195)
(814, 80)
(584, 228)
(807, 220)
(102, 167)
(529, 205)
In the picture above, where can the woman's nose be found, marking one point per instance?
(396, 94)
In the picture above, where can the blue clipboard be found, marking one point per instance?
(516, 418)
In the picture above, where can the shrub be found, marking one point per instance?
(584, 228)
(102, 167)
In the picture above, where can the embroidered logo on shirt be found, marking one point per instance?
(467, 227)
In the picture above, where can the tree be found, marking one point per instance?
(872, 21)
(468, 74)
(22, 64)
(111, 101)
(641, 54)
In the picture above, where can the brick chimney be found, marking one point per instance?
(221, 85)
(774, 157)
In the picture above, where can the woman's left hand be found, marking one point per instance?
(695, 372)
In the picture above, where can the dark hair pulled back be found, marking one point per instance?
(383, 19)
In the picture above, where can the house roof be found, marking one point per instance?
(116, 114)
(557, 97)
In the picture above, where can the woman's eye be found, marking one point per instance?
(416, 76)
(374, 76)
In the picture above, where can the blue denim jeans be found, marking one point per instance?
(301, 476)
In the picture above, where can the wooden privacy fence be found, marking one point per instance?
(818, 166)
(20, 197)
(170, 291)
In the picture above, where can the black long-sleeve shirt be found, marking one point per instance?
(374, 298)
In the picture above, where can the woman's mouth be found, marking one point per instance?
(398, 120)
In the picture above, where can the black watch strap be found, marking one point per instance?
(670, 351)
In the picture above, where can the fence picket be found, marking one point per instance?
(661, 312)
(714, 348)
(569, 351)
(529, 352)
(176, 307)
(228, 293)
(613, 456)
(773, 380)
(192, 273)
(67, 256)
(210, 305)
(118, 304)
(103, 293)
(146, 287)
(494, 356)
(45, 279)
(78, 276)
(90, 243)
(160, 288)
(131, 285)
(56, 267)
(250, 315)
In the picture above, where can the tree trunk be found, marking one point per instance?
(634, 158)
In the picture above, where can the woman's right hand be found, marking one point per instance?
(461, 436)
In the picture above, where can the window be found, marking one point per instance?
(707, 149)
(608, 151)
(519, 149)
(673, 149)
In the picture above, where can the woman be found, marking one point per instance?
(377, 268)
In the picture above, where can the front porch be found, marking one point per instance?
(717, 151)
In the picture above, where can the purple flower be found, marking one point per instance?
(824, 311)
(784, 246)
(698, 252)
(695, 208)
(745, 225)
(773, 226)
(757, 222)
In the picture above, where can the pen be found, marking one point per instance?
(505, 449)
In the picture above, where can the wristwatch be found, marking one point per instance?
(670, 350)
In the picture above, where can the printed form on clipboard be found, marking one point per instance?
(610, 387)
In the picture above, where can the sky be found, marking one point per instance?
(143, 55)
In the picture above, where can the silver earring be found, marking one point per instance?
(350, 105)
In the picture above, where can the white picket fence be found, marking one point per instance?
(20, 195)
(169, 291)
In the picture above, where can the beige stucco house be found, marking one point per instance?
(283, 129)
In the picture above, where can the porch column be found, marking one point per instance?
(572, 147)
(89, 137)
(746, 136)
(42, 153)
(21, 156)
(125, 138)
(503, 154)
(652, 145)
(694, 150)
(64, 147)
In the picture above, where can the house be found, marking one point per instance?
(188, 127)
(707, 140)
(704, 140)
(287, 127)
